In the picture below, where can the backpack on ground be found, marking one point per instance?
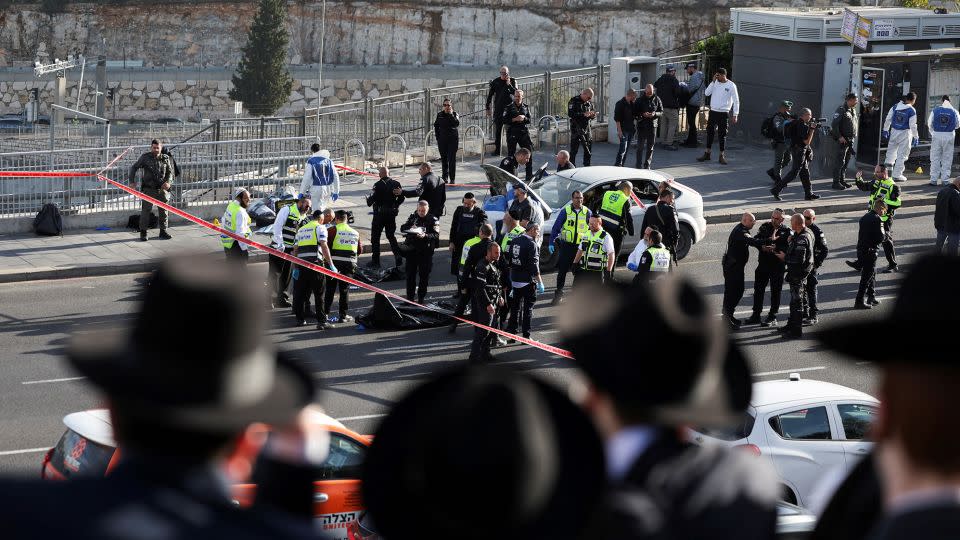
(768, 129)
(133, 222)
(48, 221)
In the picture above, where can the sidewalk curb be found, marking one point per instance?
(734, 216)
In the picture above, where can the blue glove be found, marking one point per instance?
(540, 288)
(632, 266)
(915, 142)
(296, 273)
(335, 196)
(885, 134)
(551, 249)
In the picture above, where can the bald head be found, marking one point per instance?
(747, 220)
(809, 215)
(796, 222)
(648, 90)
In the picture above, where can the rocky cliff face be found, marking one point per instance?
(472, 32)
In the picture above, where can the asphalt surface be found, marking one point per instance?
(365, 371)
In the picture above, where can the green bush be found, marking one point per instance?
(719, 51)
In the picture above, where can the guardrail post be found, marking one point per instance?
(601, 93)
(427, 109)
(216, 150)
(303, 124)
(368, 129)
(263, 123)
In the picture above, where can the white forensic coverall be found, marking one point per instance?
(943, 123)
(320, 178)
(901, 122)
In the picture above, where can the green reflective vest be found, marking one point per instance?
(229, 222)
(884, 189)
(517, 231)
(594, 256)
(292, 225)
(660, 258)
(611, 210)
(308, 247)
(575, 226)
(345, 244)
(466, 249)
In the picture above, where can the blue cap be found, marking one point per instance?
(671, 67)
(303, 196)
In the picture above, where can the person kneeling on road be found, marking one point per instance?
(595, 258)
(345, 246)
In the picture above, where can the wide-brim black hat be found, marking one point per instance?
(658, 350)
(196, 356)
(918, 330)
(486, 452)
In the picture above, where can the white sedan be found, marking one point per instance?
(553, 191)
(807, 429)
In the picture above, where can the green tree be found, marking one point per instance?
(922, 4)
(719, 51)
(262, 81)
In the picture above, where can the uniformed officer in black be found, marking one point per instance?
(869, 238)
(422, 231)
(799, 261)
(430, 189)
(516, 116)
(487, 296)
(525, 279)
(775, 236)
(663, 217)
(476, 252)
(820, 252)
(446, 129)
(800, 132)
(581, 112)
(500, 95)
(513, 163)
(466, 222)
(385, 198)
(844, 132)
(733, 262)
(781, 152)
(876, 187)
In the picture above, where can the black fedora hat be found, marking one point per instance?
(196, 356)
(926, 305)
(484, 452)
(658, 350)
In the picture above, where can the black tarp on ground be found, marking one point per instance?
(387, 314)
(378, 275)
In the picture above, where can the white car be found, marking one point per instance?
(806, 428)
(553, 191)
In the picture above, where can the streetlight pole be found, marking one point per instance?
(323, 29)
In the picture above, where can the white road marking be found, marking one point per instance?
(785, 371)
(25, 451)
(65, 379)
(363, 417)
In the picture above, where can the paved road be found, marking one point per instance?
(366, 371)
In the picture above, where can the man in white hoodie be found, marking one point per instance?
(900, 128)
(320, 178)
(724, 106)
(943, 123)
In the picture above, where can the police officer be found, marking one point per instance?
(581, 112)
(525, 280)
(595, 257)
(869, 238)
(882, 188)
(285, 227)
(236, 220)
(385, 198)
(422, 231)
(158, 173)
(345, 247)
(522, 159)
(800, 132)
(844, 130)
(431, 189)
(473, 251)
(655, 261)
(445, 127)
(820, 252)
(513, 230)
(799, 261)
(734, 260)
(781, 152)
(311, 247)
(663, 217)
(614, 211)
(517, 117)
(571, 224)
(774, 236)
(466, 221)
(500, 95)
(487, 296)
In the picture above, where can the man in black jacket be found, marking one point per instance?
(500, 95)
(446, 129)
(800, 133)
(431, 189)
(422, 231)
(774, 236)
(525, 279)
(385, 198)
(470, 259)
(580, 111)
(734, 260)
(663, 217)
(487, 296)
(648, 110)
(158, 173)
(668, 88)
(517, 117)
(845, 132)
(465, 224)
(799, 261)
(946, 218)
(820, 252)
(781, 152)
(623, 117)
(869, 238)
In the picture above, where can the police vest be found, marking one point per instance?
(466, 249)
(595, 257)
(612, 208)
(345, 244)
(660, 259)
(291, 226)
(515, 232)
(229, 220)
(944, 119)
(901, 117)
(884, 189)
(308, 247)
(575, 225)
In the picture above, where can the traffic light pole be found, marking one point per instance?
(101, 85)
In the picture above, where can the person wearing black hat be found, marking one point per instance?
(915, 456)
(545, 484)
(184, 408)
(781, 153)
(639, 402)
(799, 262)
(869, 238)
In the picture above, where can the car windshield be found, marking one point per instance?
(555, 190)
(75, 455)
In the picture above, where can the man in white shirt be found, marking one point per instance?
(724, 106)
(633, 261)
(289, 220)
(236, 220)
(320, 178)
(943, 123)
